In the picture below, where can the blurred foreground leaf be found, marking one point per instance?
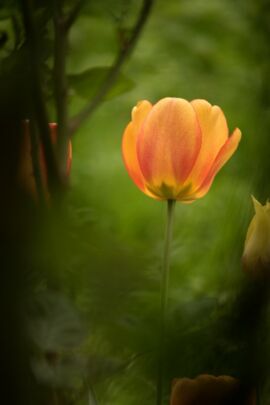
(57, 326)
(57, 332)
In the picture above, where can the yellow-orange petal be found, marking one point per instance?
(223, 156)
(129, 140)
(168, 145)
(139, 113)
(215, 132)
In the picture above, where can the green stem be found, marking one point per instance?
(164, 298)
(60, 84)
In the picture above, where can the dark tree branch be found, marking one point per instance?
(72, 16)
(38, 104)
(115, 69)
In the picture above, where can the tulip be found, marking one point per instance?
(210, 390)
(26, 170)
(256, 256)
(173, 149)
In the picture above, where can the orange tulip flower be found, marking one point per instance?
(174, 149)
(210, 390)
(26, 172)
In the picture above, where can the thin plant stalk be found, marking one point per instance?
(39, 107)
(164, 298)
(36, 163)
(115, 69)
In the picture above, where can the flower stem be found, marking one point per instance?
(164, 298)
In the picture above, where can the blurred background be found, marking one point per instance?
(80, 284)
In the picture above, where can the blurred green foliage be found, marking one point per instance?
(94, 301)
(86, 83)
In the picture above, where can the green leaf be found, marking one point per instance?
(87, 83)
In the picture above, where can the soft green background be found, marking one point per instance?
(104, 254)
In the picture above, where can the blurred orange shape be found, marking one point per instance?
(210, 390)
(26, 169)
(174, 149)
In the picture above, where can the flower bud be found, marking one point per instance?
(256, 256)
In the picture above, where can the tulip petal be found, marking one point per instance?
(215, 132)
(168, 145)
(129, 140)
(223, 156)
